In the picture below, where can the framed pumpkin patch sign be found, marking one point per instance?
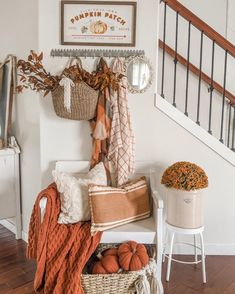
(98, 23)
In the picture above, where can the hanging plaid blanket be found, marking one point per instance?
(121, 149)
(101, 125)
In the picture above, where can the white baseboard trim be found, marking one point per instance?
(11, 227)
(210, 248)
(194, 129)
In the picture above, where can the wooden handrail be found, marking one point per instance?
(196, 71)
(201, 25)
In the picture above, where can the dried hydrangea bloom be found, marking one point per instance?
(185, 176)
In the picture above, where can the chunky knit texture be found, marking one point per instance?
(61, 251)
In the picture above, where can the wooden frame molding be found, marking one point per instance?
(196, 71)
(201, 25)
(132, 43)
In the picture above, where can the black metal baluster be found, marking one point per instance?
(163, 52)
(199, 82)
(229, 122)
(223, 102)
(187, 76)
(211, 86)
(233, 131)
(175, 59)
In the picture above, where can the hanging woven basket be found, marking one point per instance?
(83, 102)
(83, 98)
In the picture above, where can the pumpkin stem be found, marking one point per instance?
(134, 251)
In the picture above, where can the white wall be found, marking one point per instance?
(230, 34)
(231, 21)
(213, 12)
(158, 139)
(19, 34)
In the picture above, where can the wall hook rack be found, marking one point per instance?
(95, 53)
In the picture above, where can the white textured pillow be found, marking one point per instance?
(74, 193)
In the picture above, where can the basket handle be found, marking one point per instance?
(77, 61)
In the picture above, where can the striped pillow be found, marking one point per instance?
(111, 207)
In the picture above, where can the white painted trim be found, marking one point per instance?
(189, 125)
(11, 227)
(7, 151)
(8, 225)
(25, 236)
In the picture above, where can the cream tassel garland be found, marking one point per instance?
(142, 285)
(148, 282)
(67, 83)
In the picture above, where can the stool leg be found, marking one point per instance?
(195, 249)
(170, 257)
(203, 259)
(164, 249)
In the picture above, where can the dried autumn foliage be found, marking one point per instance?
(97, 80)
(34, 76)
(185, 176)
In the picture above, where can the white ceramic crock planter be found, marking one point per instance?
(185, 208)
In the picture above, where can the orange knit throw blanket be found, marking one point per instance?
(61, 251)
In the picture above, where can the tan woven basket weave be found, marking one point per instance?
(110, 283)
(83, 102)
(123, 283)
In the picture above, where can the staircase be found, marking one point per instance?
(197, 78)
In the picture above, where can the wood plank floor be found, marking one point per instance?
(17, 273)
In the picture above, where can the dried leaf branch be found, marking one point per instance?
(34, 76)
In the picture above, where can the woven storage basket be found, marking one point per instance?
(83, 102)
(110, 283)
(123, 283)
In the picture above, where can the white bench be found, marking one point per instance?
(148, 231)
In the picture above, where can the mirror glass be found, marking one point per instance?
(138, 74)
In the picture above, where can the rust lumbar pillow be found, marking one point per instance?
(111, 207)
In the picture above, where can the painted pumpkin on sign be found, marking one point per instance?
(98, 27)
(132, 256)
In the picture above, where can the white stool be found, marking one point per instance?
(171, 231)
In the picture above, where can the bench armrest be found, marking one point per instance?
(158, 201)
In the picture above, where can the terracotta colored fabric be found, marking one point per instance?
(61, 251)
(101, 126)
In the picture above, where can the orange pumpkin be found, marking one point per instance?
(111, 251)
(132, 256)
(107, 265)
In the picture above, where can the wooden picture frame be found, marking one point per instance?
(98, 23)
